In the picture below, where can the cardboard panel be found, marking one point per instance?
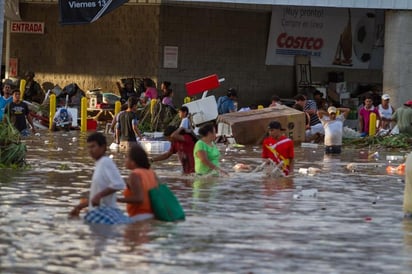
(251, 127)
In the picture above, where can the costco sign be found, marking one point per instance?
(331, 37)
(27, 27)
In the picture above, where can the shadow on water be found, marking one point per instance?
(245, 223)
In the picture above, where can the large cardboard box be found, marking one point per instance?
(250, 127)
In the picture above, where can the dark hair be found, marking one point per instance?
(204, 130)
(97, 137)
(166, 84)
(184, 109)
(169, 130)
(138, 155)
(317, 92)
(231, 92)
(29, 73)
(148, 82)
(298, 107)
(15, 90)
(7, 84)
(128, 81)
(300, 97)
(131, 102)
(368, 96)
(123, 107)
(168, 92)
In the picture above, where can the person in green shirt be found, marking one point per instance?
(206, 153)
(403, 118)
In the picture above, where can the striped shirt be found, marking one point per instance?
(311, 105)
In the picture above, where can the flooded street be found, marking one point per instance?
(240, 224)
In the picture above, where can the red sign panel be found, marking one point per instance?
(203, 84)
(27, 27)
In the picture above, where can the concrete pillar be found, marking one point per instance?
(397, 64)
(1, 27)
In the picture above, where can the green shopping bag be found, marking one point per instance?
(165, 205)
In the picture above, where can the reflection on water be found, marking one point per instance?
(243, 223)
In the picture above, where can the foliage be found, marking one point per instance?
(161, 117)
(12, 151)
(390, 141)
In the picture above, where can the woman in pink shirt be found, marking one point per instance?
(151, 91)
(364, 116)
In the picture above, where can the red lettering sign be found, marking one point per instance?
(27, 27)
(299, 42)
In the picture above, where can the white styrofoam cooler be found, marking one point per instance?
(203, 110)
(155, 147)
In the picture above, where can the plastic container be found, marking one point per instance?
(395, 158)
(312, 192)
(156, 147)
(91, 124)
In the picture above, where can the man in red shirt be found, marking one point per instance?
(278, 148)
(183, 144)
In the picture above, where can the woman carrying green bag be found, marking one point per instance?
(145, 197)
(140, 181)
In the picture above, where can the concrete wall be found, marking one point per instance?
(120, 44)
(129, 41)
(230, 43)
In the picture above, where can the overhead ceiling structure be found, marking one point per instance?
(367, 4)
(11, 10)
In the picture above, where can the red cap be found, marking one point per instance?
(408, 103)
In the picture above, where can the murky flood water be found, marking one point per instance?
(240, 224)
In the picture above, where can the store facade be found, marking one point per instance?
(182, 41)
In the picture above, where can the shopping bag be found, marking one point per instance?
(165, 205)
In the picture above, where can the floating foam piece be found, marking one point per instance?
(312, 192)
(309, 145)
(395, 158)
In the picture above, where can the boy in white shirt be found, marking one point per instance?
(106, 180)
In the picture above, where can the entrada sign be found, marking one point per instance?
(27, 27)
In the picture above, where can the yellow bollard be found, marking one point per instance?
(22, 88)
(186, 100)
(52, 110)
(260, 107)
(117, 107)
(372, 124)
(83, 115)
(152, 105)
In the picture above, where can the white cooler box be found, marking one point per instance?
(155, 147)
(203, 110)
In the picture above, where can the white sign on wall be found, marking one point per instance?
(331, 37)
(170, 57)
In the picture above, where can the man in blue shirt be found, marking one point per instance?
(225, 104)
(5, 99)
